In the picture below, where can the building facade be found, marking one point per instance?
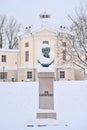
(21, 64)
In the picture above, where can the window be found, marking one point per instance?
(47, 42)
(45, 16)
(46, 92)
(26, 55)
(29, 75)
(27, 44)
(64, 55)
(64, 44)
(62, 74)
(3, 75)
(3, 58)
(12, 79)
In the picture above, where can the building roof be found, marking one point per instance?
(45, 25)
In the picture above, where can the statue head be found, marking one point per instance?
(46, 50)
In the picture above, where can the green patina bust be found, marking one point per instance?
(45, 60)
(46, 51)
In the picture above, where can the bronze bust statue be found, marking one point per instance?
(45, 61)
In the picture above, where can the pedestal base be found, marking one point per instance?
(47, 123)
(47, 115)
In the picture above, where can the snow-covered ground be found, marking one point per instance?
(19, 105)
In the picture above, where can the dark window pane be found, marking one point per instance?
(29, 75)
(47, 42)
(27, 44)
(62, 74)
(27, 56)
(3, 75)
(3, 58)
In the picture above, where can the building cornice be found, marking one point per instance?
(10, 50)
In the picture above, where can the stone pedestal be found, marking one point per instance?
(46, 95)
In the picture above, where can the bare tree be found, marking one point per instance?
(2, 25)
(79, 37)
(12, 29)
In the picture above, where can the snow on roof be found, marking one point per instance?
(9, 50)
(52, 27)
(25, 32)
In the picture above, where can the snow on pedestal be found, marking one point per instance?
(44, 61)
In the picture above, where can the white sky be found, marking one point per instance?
(27, 11)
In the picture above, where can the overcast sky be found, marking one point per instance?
(27, 11)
